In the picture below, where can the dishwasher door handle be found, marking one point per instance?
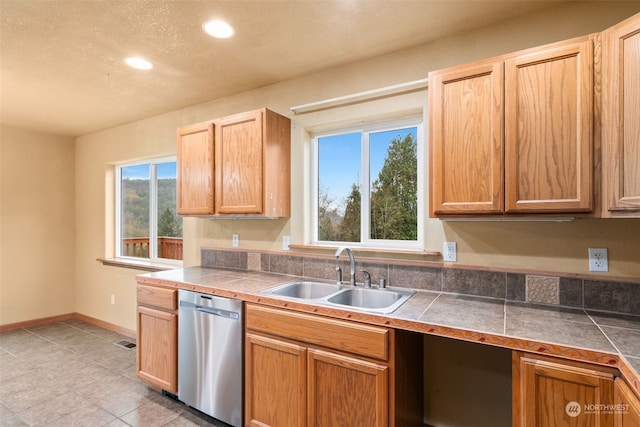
(218, 312)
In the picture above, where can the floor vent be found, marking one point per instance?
(126, 344)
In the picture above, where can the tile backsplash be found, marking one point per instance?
(587, 293)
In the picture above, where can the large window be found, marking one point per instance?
(367, 185)
(147, 225)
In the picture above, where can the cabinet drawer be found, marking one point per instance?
(364, 340)
(157, 297)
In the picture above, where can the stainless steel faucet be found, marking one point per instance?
(352, 263)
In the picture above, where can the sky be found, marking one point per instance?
(165, 170)
(340, 155)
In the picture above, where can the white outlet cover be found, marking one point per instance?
(598, 259)
(235, 240)
(286, 241)
(449, 252)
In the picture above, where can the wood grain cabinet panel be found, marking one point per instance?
(344, 391)
(157, 348)
(194, 169)
(297, 377)
(553, 393)
(467, 150)
(275, 373)
(627, 411)
(549, 129)
(514, 134)
(238, 165)
(620, 123)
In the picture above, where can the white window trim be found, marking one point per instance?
(153, 214)
(365, 129)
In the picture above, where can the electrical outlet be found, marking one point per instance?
(235, 241)
(598, 259)
(286, 241)
(113, 299)
(449, 252)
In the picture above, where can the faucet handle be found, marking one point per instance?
(367, 278)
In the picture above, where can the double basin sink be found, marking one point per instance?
(374, 300)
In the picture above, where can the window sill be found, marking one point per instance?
(371, 250)
(137, 265)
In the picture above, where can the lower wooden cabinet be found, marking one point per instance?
(548, 392)
(627, 405)
(345, 391)
(306, 370)
(275, 373)
(157, 347)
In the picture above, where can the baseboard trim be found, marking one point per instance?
(105, 325)
(36, 322)
(62, 317)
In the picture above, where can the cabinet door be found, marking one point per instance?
(195, 169)
(620, 124)
(554, 394)
(627, 411)
(549, 129)
(275, 392)
(239, 164)
(344, 391)
(466, 139)
(157, 352)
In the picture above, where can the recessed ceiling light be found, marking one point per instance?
(218, 29)
(139, 63)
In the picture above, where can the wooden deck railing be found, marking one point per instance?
(168, 247)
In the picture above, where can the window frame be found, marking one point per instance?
(153, 210)
(365, 129)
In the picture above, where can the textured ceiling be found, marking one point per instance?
(62, 61)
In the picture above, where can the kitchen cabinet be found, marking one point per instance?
(238, 165)
(253, 156)
(157, 337)
(466, 139)
(309, 370)
(549, 392)
(627, 409)
(194, 169)
(620, 124)
(513, 134)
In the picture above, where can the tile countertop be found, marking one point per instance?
(590, 336)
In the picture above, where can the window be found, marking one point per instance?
(147, 225)
(367, 185)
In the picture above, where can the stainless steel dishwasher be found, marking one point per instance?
(210, 355)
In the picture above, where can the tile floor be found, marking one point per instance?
(72, 373)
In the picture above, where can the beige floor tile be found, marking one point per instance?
(73, 374)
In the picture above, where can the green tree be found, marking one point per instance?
(394, 204)
(350, 225)
(169, 225)
(326, 216)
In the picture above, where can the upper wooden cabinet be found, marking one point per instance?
(549, 129)
(195, 169)
(514, 134)
(620, 119)
(466, 139)
(236, 166)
